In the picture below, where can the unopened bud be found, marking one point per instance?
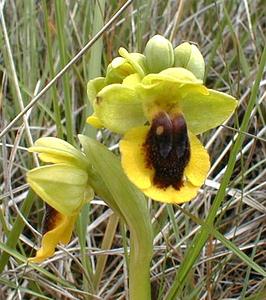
(189, 57)
(117, 70)
(159, 54)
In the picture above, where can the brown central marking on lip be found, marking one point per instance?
(50, 219)
(167, 149)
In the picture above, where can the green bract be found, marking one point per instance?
(119, 108)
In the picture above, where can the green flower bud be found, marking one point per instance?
(139, 59)
(159, 54)
(117, 70)
(189, 57)
(136, 60)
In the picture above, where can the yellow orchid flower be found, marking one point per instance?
(64, 187)
(159, 116)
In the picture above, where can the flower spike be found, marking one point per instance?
(64, 187)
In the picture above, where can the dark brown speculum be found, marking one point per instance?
(50, 218)
(167, 149)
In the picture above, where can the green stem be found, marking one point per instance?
(139, 268)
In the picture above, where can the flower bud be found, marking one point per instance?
(189, 57)
(139, 59)
(117, 70)
(159, 54)
(136, 60)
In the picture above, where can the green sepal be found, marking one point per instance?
(119, 108)
(163, 91)
(93, 88)
(178, 75)
(62, 186)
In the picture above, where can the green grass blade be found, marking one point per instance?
(60, 22)
(17, 228)
(56, 106)
(81, 228)
(239, 253)
(246, 281)
(227, 243)
(95, 62)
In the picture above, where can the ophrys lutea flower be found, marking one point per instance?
(159, 116)
(64, 186)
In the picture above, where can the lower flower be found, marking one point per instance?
(64, 186)
(166, 161)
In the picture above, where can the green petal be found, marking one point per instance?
(119, 108)
(94, 121)
(177, 75)
(93, 88)
(62, 186)
(203, 112)
(55, 150)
